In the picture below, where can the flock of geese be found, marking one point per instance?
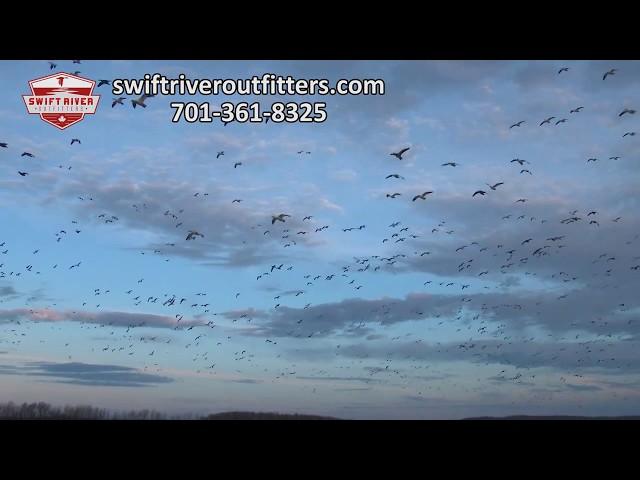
(486, 339)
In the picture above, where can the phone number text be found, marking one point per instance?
(243, 112)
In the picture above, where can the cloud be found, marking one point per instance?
(583, 388)
(8, 291)
(354, 389)
(162, 212)
(248, 381)
(340, 379)
(244, 313)
(117, 319)
(329, 318)
(583, 310)
(566, 356)
(85, 374)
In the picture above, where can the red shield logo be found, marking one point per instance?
(62, 99)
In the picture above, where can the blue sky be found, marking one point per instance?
(374, 343)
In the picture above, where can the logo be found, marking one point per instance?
(61, 99)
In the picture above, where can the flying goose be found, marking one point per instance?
(399, 154)
(423, 196)
(140, 101)
(193, 234)
(279, 217)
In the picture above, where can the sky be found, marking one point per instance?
(454, 306)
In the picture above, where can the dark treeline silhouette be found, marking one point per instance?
(263, 416)
(44, 411)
